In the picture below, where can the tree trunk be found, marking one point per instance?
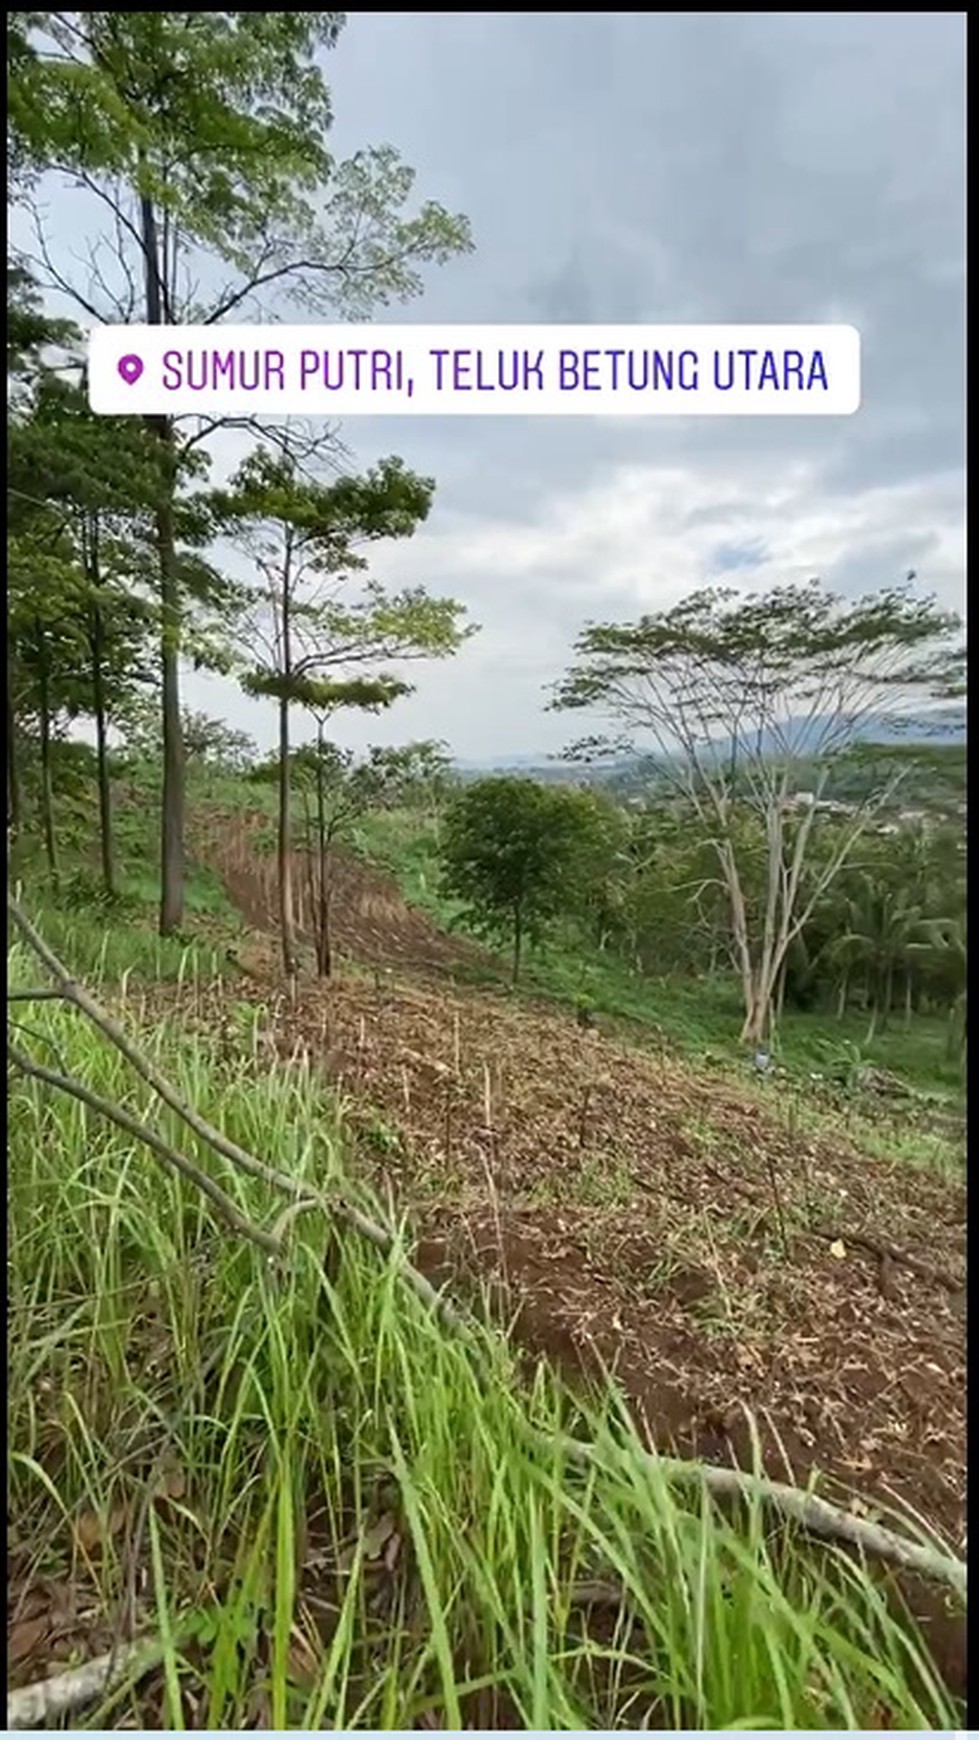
(174, 771)
(172, 867)
(517, 940)
(325, 951)
(97, 649)
(756, 1019)
(908, 997)
(307, 887)
(955, 1038)
(13, 773)
(842, 998)
(755, 1007)
(872, 1029)
(47, 792)
(887, 996)
(286, 921)
(324, 948)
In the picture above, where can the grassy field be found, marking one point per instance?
(321, 1508)
(698, 1016)
(347, 1522)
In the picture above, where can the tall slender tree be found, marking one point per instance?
(202, 139)
(320, 631)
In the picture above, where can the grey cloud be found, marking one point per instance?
(654, 167)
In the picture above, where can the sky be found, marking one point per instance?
(659, 167)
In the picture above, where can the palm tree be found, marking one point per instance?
(944, 941)
(879, 924)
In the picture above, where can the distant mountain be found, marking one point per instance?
(538, 767)
(941, 726)
(504, 764)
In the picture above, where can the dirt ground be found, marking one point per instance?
(631, 1212)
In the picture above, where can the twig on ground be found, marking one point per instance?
(43, 1704)
(40, 994)
(880, 1250)
(76, 994)
(816, 1515)
(296, 1189)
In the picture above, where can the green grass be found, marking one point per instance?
(118, 938)
(305, 1426)
(696, 1016)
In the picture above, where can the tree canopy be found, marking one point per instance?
(733, 695)
(509, 851)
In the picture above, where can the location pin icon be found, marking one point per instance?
(130, 368)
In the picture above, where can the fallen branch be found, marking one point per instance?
(75, 993)
(442, 1070)
(297, 1190)
(814, 1514)
(40, 994)
(43, 1704)
(880, 1250)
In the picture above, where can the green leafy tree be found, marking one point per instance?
(319, 628)
(39, 556)
(942, 943)
(736, 696)
(509, 852)
(202, 139)
(879, 925)
(214, 743)
(99, 477)
(425, 780)
(209, 742)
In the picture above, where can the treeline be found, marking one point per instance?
(884, 934)
(118, 539)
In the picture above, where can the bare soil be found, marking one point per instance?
(628, 1213)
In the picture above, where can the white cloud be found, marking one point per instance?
(657, 167)
(638, 538)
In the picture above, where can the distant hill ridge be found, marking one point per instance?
(942, 725)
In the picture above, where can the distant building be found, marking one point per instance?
(807, 800)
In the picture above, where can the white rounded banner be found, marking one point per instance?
(476, 371)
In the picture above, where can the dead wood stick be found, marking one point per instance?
(442, 1070)
(880, 1250)
(39, 994)
(816, 1515)
(41, 1705)
(297, 1189)
(75, 993)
